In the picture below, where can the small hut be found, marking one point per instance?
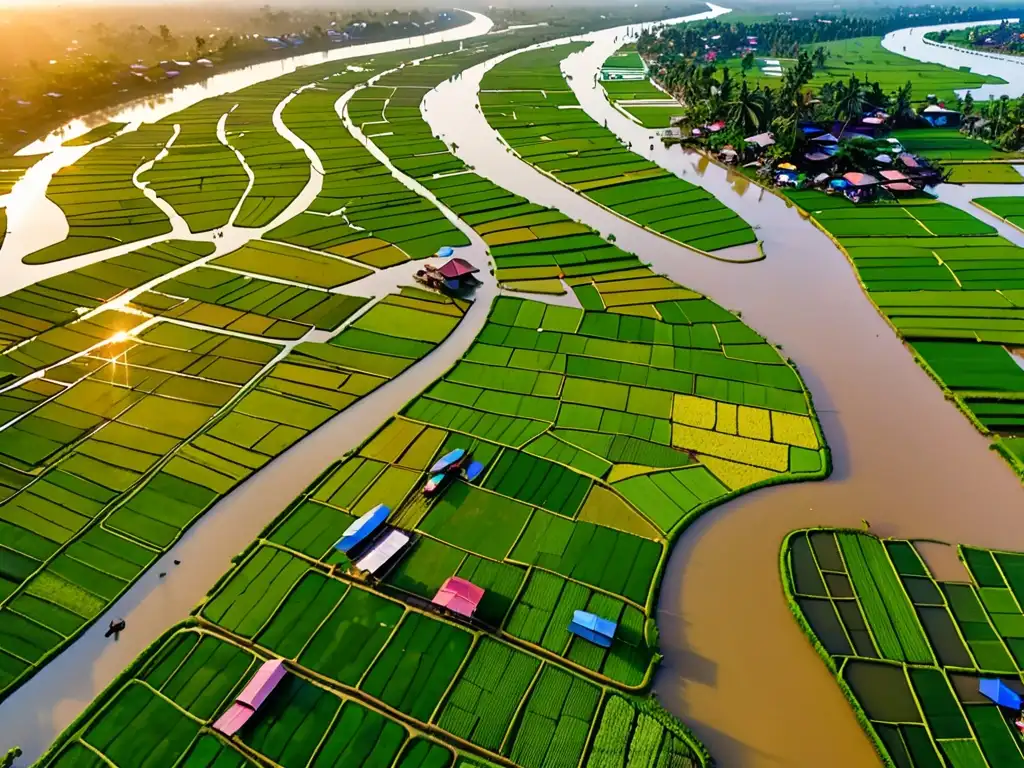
(459, 596)
(458, 274)
(593, 628)
(252, 696)
(383, 551)
(940, 117)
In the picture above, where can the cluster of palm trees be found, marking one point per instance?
(785, 36)
(1000, 121)
(711, 94)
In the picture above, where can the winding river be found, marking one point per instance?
(737, 669)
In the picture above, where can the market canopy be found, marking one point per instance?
(995, 689)
(362, 528)
(826, 138)
(593, 628)
(761, 140)
(890, 175)
(459, 596)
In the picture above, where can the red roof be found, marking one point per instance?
(459, 596)
(860, 179)
(455, 268)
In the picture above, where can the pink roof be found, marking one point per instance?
(892, 176)
(459, 595)
(231, 722)
(902, 186)
(457, 268)
(860, 179)
(252, 696)
(909, 160)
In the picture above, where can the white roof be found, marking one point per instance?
(383, 551)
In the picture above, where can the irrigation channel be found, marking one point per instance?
(737, 668)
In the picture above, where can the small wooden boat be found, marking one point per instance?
(434, 483)
(449, 461)
(473, 471)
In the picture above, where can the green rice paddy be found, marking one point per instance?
(865, 58)
(952, 288)
(102, 205)
(100, 132)
(624, 79)
(907, 649)
(526, 99)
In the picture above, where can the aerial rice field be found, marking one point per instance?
(126, 417)
(865, 58)
(908, 649)
(624, 79)
(199, 176)
(1010, 209)
(952, 289)
(110, 457)
(103, 206)
(575, 511)
(527, 100)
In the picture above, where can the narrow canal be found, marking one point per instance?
(737, 669)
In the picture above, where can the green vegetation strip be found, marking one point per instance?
(909, 650)
(867, 59)
(526, 99)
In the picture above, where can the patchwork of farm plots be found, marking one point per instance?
(1010, 209)
(363, 212)
(865, 58)
(200, 177)
(122, 427)
(526, 99)
(603, 435)
(950, 287)
(103, 206)
(909, 650)
(624, 79)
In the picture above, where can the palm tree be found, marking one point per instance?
(748, 110)
(902, 104)
(849, 101)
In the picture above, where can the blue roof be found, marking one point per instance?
(363, 527)
(593, 628)
(999, 692)
(447, 460)
(474, 470)
(445, 251)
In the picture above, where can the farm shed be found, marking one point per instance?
(459, 596)
(358, 532)
(383, 551)
(593, 628)
(252, 696)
